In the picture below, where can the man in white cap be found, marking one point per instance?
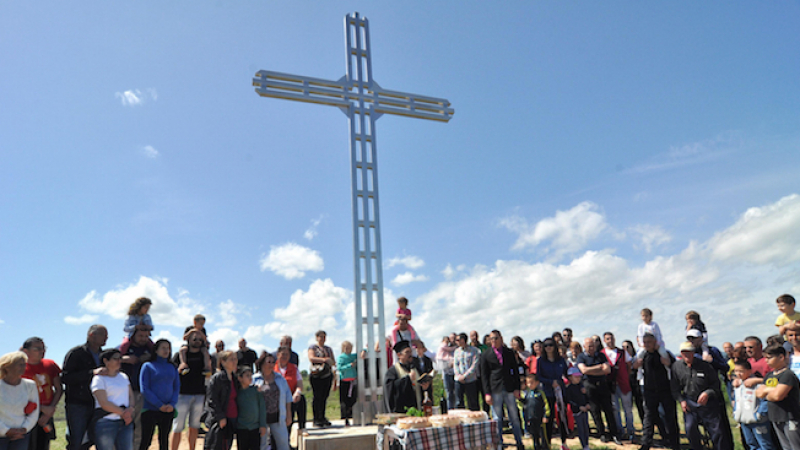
(695, 385)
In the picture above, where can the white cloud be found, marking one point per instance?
(2, 321)
(227, 335)
(650, 236)
(291, 260)
(136, 97)
(732, 280)
(567, 232)
(766, 235)
(324, 306)
(228, 312)
(408, 277)
(165, 310)
(150, 152)
(84, 319)
(410, 262)
(448, 271)
(699, 152)
(312, 232)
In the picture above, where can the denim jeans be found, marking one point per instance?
(450, 389)
(626, 401)
(278, 432)
(506, 398)
(78, 417)
(19, 444)
(758, 436)
(113, 435)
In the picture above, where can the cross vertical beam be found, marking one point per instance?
(363, 101)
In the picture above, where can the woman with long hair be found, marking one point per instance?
(551, 370)
(634, 380)
(536, 352)
(112, 423)
(19, 402)
(278, 399)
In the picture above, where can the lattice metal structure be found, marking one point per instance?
(363, 101)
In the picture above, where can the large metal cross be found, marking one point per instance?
(363, 101)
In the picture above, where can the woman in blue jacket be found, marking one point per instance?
(159, 384)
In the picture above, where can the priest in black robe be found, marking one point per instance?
(403, 384)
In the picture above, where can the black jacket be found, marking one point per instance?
(498, 378)
(77, 374)
(218, 391)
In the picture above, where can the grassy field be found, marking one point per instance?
(333, 412)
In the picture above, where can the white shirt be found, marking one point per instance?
(13, 400)
(116, 388)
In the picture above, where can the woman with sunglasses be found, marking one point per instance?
(551, 370)
(112, 423)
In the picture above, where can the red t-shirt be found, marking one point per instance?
(43, 375)
(291, 374)
(760, 366)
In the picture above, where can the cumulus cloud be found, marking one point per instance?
(166, 310)
(765, 235)
(312, 232)
(650, 236)
(567, 232)
(150, 152)
(408, 277)
(732, 279)
(291, 261)
(228, 312)
(410, 262)
(82, 320)
(136, 97)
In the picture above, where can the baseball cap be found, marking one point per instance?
(693, 333)
(574, 371)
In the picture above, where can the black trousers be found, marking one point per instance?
(711, 416)
(321, 388)
(151, 420)
(40, 439)
(551, 420)
(248, 439)
(534, 427)
(668, 427)
(299, 410)
(347, 398)
(600, 404)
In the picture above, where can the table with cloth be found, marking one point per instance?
(471, 436)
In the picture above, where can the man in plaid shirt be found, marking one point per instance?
(465, 364)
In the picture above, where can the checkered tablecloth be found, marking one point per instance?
(473, 436)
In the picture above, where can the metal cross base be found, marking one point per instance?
(363, 101)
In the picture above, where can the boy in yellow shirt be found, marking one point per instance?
(788, 317)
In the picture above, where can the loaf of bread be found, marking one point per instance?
(444, 420)
(407, 423)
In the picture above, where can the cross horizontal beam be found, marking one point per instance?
(341, 94)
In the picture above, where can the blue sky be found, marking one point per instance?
(602, 158)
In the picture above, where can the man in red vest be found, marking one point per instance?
(619, 379)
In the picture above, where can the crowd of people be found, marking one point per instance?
(116, 398)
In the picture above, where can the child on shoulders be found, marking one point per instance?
(138, 319)
(693, 322)
(402, 310)
(199, 327)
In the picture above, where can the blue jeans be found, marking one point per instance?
(757, 436)
(19, 444)
(279, 433)
(113, 435)
(506, 398)
(78, 417)
(450, 389)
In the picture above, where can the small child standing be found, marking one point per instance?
(252, 421)
(200, 328)
(535, 410)
(138, 319)
(746, 407)
(788, 315)
(575, 396)
(647, 326)
(693, 322)
(402, 310)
